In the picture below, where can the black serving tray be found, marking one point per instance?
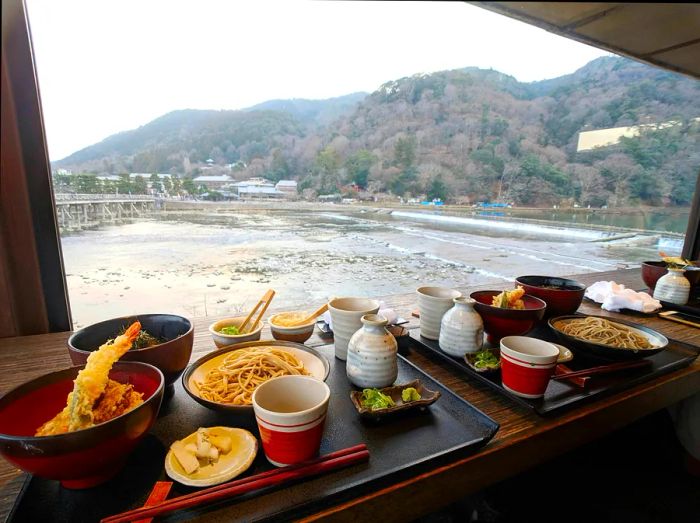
(400, 447)
(562, 395)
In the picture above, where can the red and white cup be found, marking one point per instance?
(291, 412)
(527, 364)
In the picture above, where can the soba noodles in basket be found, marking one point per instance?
(604, 332)
(239, 374)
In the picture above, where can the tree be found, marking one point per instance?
(327, 171)
(436, 189)
(156, 184)
(177, 185)
(139, 185)
(189, 186)
(279, 170)
(405, 152)
(404, 158)
(359, 165)
(168, 185)
(86, 184)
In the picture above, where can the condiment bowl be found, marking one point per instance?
(298, 334)
(500, 322)
(222, 340)
(86, 457)
(562, 296)
(171, 356)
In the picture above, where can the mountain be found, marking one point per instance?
(465, 135)
(320, 112)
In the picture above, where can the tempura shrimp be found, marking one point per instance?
(89, 385)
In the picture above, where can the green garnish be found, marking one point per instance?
(376, 399)
(409, 394)
(231, 330)
(142, 341)
(485, 359)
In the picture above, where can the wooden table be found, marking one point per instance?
(523, 441)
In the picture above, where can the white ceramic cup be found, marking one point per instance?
(291, 412)
(346, 315)
(527, 364)
(433, 303)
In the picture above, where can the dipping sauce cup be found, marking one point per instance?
(527, 364)
(433, 303)
(291, 412)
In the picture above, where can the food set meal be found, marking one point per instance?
(282, 384)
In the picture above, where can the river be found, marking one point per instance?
(209, 263)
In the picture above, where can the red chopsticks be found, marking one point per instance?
(320, 465)
(603, 369)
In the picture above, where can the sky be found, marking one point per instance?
(109, 66)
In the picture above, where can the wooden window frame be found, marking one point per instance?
(32, 276)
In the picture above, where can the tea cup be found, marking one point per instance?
(527, 364)
(346, 316)
(433, 303)
(291, 412)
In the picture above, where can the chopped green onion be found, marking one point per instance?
(376, 399)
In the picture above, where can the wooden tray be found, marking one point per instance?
(561, 395)
(399, 447)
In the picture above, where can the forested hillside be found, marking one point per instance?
(462, 135)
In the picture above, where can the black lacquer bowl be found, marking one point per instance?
(171, 356)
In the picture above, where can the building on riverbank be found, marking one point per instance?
(213, 182)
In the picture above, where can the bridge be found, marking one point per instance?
(83, 211)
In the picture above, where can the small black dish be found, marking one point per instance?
(470, 359)
(428, 397)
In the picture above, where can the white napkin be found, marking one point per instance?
(389, 314)
(615, 296)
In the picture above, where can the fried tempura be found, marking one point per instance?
(89, 385)
(117, 399)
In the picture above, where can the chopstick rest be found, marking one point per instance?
(159, 493)
(562, 369)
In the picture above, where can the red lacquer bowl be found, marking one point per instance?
(562, 296)
(83, 458)
(653, 270)
(499, 322)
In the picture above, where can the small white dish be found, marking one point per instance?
(244, 448)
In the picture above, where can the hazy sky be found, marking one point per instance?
(108, 66)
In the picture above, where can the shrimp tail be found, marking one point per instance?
(133, 331)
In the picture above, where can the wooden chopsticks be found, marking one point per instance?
(280, 476)
(603, 369)
(266, 299)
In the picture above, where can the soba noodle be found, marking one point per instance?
(599, 330)
(234, 381)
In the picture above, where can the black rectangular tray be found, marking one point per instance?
(562, 395)
(400, 447)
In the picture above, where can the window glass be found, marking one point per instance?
(203, 152)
